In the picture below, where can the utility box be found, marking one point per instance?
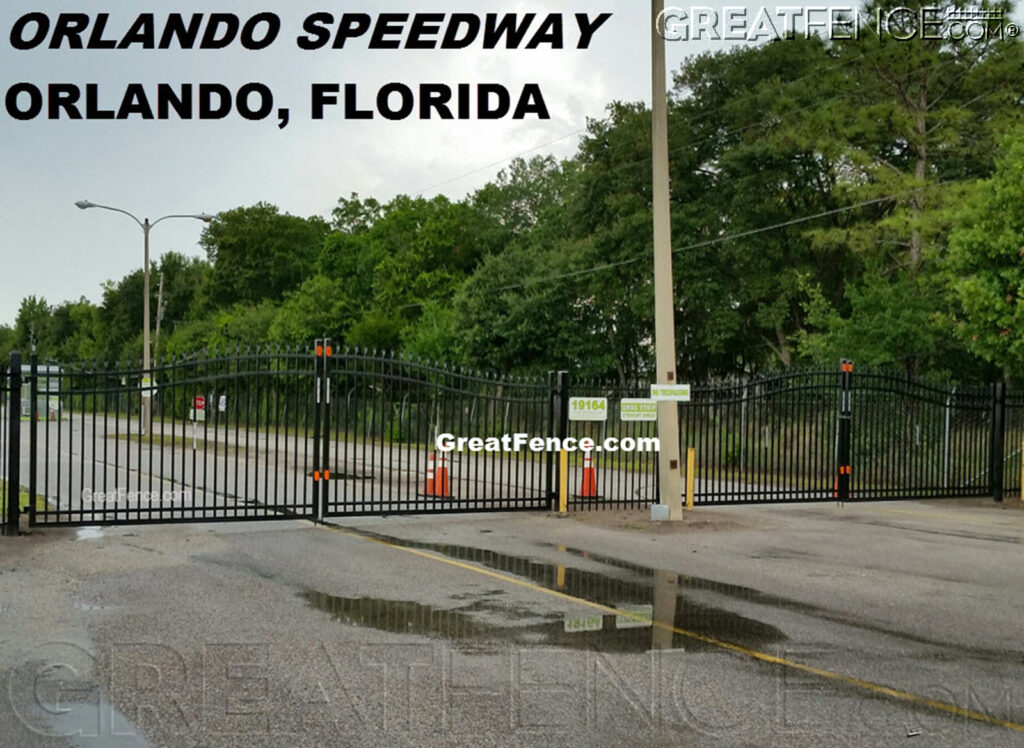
(47, 405)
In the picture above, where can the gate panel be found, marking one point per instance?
(764, 439)
(227, 438)
(385, 413)
(914, 440)
(1012, 457)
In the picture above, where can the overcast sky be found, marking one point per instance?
(54, 250)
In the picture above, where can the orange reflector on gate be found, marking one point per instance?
(327, 474)
(319, 350)
(330, 351)
(316, 475)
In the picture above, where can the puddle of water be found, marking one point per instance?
(89, 533)
(481, 627)
(650, 594)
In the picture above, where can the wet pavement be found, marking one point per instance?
(796, 627)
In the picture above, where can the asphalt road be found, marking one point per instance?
(798, 625)
(96, 468)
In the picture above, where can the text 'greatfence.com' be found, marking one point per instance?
(524, 442)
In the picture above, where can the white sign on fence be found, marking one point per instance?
(588, 408)
(679, 393)
(638, 409)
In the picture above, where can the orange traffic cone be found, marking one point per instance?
(441, 484)
(588, 486)
(437, 480)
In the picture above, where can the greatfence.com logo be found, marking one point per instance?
(900, 23)
(524, 442)
(125, 497)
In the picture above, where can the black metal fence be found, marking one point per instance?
(270, 433)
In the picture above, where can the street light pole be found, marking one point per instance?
(146, 226)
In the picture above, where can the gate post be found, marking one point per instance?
(33, 435)
(325, 495)
(549, 467)
(318, 350)
(845, 409)
(997, 439)
(13, 447)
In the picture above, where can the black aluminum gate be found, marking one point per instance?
(383, 415)
(816, 434)
(275, 433)
(272, 434)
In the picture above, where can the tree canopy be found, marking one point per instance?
(855, 199)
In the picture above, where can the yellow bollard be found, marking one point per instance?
(691, 459)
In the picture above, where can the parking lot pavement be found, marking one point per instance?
(800, 624)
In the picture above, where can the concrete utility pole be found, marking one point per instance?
(664, 307)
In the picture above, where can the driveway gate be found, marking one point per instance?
(272, 433)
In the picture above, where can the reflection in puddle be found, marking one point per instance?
(641, 594)
(89, 533)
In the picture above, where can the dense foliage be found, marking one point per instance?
(858, 199)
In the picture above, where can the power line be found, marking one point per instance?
(722, 239)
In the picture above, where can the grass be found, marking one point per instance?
(23, 500)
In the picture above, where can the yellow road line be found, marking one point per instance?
(875, 688)
(951, 517)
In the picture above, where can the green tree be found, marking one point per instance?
(34, 329)
(257, 254)
(986, 262)
(916, 120)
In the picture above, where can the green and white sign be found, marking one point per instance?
(588, 408)
(679, 393)
(638, 409)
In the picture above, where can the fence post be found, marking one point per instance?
(325, 439)
(550, 457)
(318, 360)
(33, 435)
(997, 439)
(13, 447)
(845, 408)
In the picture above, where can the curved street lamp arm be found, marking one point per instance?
(198, 216)
(117, 210)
